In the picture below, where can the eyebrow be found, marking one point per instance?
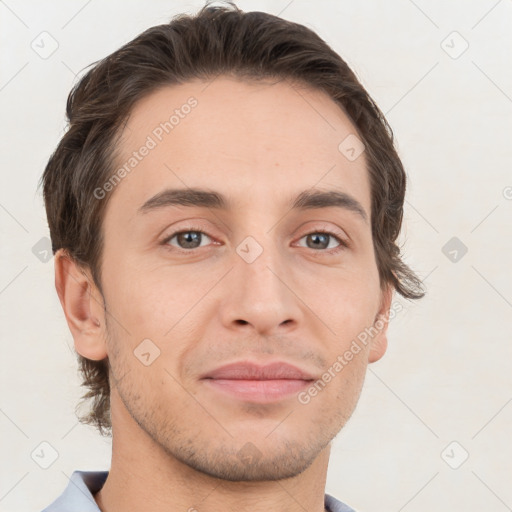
(306, 200)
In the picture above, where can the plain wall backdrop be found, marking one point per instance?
(432, 430)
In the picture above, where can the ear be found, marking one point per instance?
(83, 306)
(379, 342)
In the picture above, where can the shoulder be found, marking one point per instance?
(78, 494)
(334, 505)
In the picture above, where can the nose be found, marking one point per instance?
(260, 294)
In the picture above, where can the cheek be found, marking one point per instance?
(349, 311)
(348, 304)
(140, 296)
(149, 297)
(157, 301)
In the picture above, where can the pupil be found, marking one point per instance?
(316, 237)
(189, 237)
(193, 237)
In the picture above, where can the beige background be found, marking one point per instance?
(446, 376)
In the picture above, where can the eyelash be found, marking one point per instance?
(343, 244)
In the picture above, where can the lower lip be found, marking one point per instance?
(260, 391)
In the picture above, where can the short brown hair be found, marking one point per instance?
(217, 40)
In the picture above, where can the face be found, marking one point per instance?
(193, 283)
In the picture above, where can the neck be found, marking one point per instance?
(143, 476)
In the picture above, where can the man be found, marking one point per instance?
(223, 211)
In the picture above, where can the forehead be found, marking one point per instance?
(256, 141)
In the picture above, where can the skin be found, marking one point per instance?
(176, 443)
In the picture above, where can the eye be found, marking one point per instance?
(192, 238)
(187, 239)
(321, 239)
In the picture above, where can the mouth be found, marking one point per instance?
(251, 382)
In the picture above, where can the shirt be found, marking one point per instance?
(78, 495)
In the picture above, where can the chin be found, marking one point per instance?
(275, 461)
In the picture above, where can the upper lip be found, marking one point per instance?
(248, 370)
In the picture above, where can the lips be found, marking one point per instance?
(251, 382)
(252, 371)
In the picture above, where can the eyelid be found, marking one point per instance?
(190, 224)
(335, 231)
(335, 234)
(186, 229)
(344, 242)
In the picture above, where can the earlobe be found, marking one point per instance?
(82, 305)
(378, 347)
(379, 343)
